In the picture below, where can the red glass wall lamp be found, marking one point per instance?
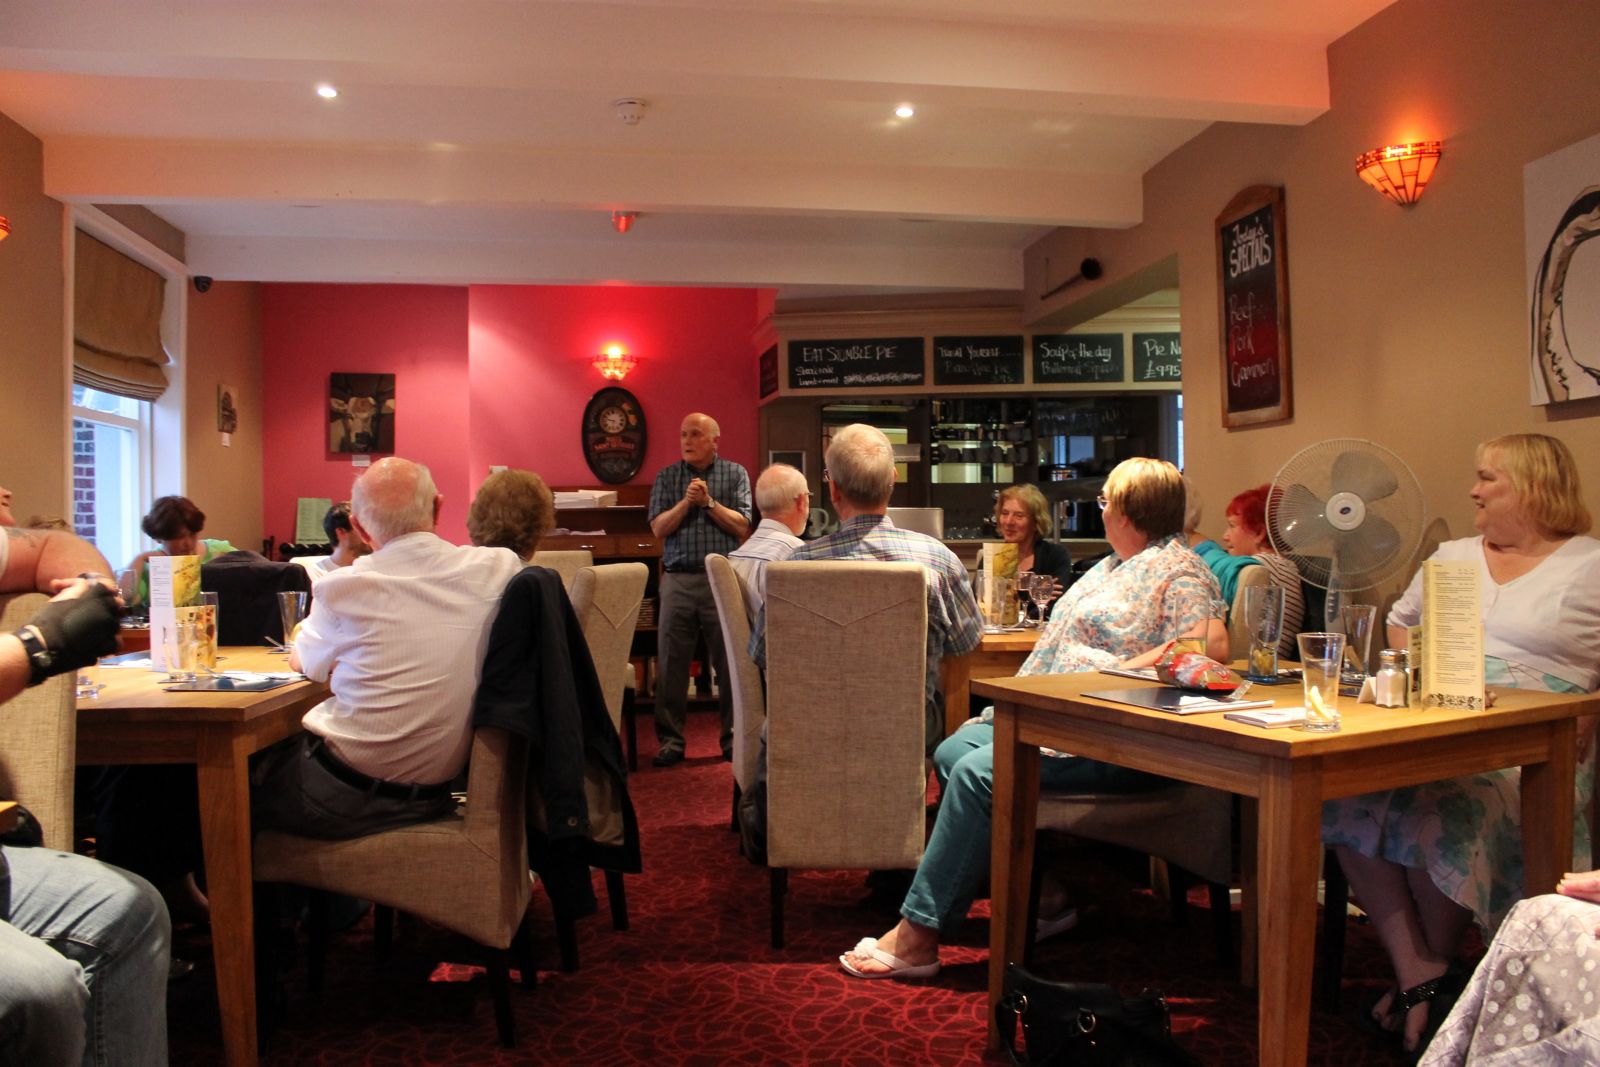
(1400, 171)
(614, 363)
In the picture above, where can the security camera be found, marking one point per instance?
(202, 282)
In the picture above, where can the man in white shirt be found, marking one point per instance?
(399, 636)
(785, 505)
(348, 546)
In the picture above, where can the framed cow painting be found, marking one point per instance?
(360, 412)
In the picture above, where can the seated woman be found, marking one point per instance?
(1425, 860)
(513, 509)
(1022, 518)
(1530, 1000)
(176, 523)
(1149, 590)
(1245, 544)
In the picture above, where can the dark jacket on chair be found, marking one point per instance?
(538, 681)
(247, 585)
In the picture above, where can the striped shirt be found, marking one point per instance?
(772, 541)
(697, 537)
(954, 626)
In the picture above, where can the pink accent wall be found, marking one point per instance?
(496, 375)
(416, 332)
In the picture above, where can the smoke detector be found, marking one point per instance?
(629, 109)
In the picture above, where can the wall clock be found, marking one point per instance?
(613, 435)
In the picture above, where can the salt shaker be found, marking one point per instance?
(1392, 684)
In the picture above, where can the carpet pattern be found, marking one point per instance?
(694, 981)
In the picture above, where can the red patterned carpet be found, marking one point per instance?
(695, 982)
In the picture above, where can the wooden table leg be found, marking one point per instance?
(1249, 892)
(1016, 803)
(1547, 803)
(955, 674)
(223, 766)
(1288, 850)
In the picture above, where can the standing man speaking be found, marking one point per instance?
(698, 506)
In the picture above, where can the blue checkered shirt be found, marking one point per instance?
(697, 537)
(954, 626)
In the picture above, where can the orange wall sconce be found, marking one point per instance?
(5, 227)
(614, 363)
(1400, 171)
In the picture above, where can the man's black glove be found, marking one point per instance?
(68, 634)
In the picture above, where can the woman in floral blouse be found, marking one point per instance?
(1149, 590)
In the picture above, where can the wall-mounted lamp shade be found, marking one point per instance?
(1399, 171)
(5, 227)
(614, 363)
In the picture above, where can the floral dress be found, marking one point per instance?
(1466, 832)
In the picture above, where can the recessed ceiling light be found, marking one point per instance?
(327, 92)
(904, 111)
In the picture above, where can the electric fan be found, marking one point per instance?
(1348, 513)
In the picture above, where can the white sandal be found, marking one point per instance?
(898, 968)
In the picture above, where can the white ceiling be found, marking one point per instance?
(476, 140)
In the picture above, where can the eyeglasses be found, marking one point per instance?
(1101, 501)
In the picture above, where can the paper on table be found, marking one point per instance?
(1452, 635)
(309, 512)
(174, 583)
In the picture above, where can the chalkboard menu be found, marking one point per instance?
(1077, 357)
(1253, 312)
(977, 360)
(769, 371)
(1157, 357)
(856, 362)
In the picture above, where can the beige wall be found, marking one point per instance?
(152, 227)
(33, 399)
(1409, 325)
(225, 347)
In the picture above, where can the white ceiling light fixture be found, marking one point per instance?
(326, 91)
(629, 109)
(904, 111)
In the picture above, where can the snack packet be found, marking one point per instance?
(1193, 671)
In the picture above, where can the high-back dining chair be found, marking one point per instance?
(749, 699)
(466, 871)
(39, 738)
(565, 563)
(247, 585)
(846, 646)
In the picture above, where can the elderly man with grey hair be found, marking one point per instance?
(861, 474)
(785, 504)
(399, 637)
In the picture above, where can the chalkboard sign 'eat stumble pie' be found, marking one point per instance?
(856, 362)
(1253, 287)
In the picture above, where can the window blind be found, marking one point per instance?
(117, 322)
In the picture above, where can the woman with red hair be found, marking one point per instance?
(1245, 544)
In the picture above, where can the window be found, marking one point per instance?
(110, 470)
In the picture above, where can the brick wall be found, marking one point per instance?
(83, 511)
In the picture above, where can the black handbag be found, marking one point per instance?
(1066, 1024)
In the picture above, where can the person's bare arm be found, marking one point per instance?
(1396, 635)
(729, 520)
(77, 626)
(13, 667)
(1211, 630)
(666, 523)
(40, 557)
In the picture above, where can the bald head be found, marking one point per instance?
(782, 496)
(698, 438)
(394, 497)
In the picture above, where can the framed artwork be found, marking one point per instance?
(1253, 312)
(1561, 213)
(361, 412)
(227, 409)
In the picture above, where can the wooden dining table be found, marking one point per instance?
(1284, 775)
(134, 720)
(998, 655)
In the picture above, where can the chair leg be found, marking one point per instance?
(1177, 882)
(567, 941)
(733, 818)
(780, 886)
(500, 990)
(522, 951)
(617, 894)
(630, 731)
(1035, 888)
(383, 930)
(316, 938)
(1222, 923)
(1335, 912)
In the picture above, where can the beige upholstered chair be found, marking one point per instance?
(1238, 632)
(38, 739)
(846, 646)
(749, 699)
(566, 564)
(467, 871)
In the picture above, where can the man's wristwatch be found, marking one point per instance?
(709, 504)
(40, 659)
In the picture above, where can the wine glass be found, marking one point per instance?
(181, 645)
(1044, 591)
(128, 586)
(1024, 596)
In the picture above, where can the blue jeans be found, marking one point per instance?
(956, 861)
(84, 948)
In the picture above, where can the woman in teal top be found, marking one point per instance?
(176, 523)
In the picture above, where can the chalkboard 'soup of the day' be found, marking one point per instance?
(857, 362)
(1252, 269)
(1078, 357)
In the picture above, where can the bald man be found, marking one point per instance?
(698, 506)
(399, 637)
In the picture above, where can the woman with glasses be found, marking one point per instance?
(1151, 589)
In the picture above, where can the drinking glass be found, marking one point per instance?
(1044, 592)
(291, 609)
(180, 646)
(1263, 614)
(1320, 657)
(1025, 587)
(997, 601)
(128, 586)
(1358, 621)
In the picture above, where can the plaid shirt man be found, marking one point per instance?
(954, 626)
(686, 548)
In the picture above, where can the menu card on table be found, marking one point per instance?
(174, 584)
(999, 559)
(1452, 636)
